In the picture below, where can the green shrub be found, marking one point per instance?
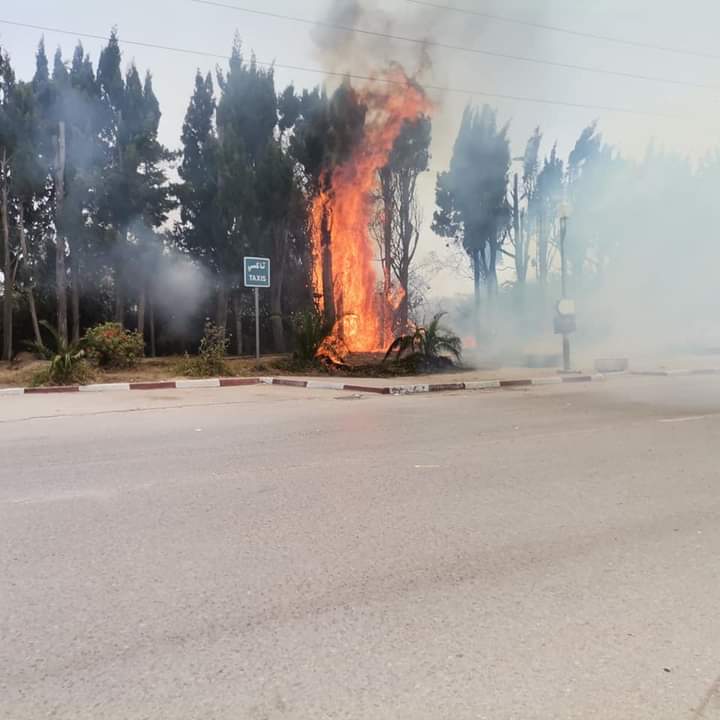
(210, 361)
(311, 329)
(63, 373)
(428, 347)
(110, 345)
(67, 361)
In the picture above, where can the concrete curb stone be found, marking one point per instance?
(414, 389)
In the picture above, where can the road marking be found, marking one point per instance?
(691, 418)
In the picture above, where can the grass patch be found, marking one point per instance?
(80, 373)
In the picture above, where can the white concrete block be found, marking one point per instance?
(200, 383)
(321, 385)
(547, 381)
(105, 387)
(482, 385)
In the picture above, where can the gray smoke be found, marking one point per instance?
(181, 288)
(368, 49)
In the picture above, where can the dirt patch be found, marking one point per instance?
(20, 374)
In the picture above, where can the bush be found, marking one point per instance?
(61, 372)
(210, 361)
(67, 361)
(110, 345)
(311, 329)
(428, 347)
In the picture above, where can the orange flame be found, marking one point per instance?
(364, 316)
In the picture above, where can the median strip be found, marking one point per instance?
(409, 389)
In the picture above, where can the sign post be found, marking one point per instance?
(257, 275)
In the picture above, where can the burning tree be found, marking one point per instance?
(325, 132)
(342, 142)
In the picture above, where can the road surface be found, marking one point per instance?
(272, 553)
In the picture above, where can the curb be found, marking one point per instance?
(308, 384)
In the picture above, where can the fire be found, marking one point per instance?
(364, 316)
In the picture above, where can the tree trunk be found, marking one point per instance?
(141, 311)
(152, 327)
(276, 291)
(405, 302)
(492, 281)
(119, 298)
(6, 267)
(34, 316)
(327, 269)
(75, 294)
(237, 312)
(60, 276)
(476, 287)
(388, 311)
(29, 290)
(120, 277)
(520, 246)
(385, 175)
(222, 306)
(542, 251)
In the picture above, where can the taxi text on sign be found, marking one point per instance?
(257, 272)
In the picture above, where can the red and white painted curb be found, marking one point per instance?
(309, 384)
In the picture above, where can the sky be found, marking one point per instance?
(677, 117)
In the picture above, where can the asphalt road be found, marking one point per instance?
(271, 553)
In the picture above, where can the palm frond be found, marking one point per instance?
(451, 345)
(57, 343)
(428, 343)
(401, 345)
(38, 348)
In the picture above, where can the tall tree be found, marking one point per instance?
(247, 119)
(200, 230)
(154, 195)
(547, 197)
(471, 195)
(401, 216)
(326, 129)
(8, 142)
(595, 175)
(135, 192)
(84, 158)
(28, 190)
(114, 210)
(278, 201)
(61, 83)
(22, 176)
(523, 201)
